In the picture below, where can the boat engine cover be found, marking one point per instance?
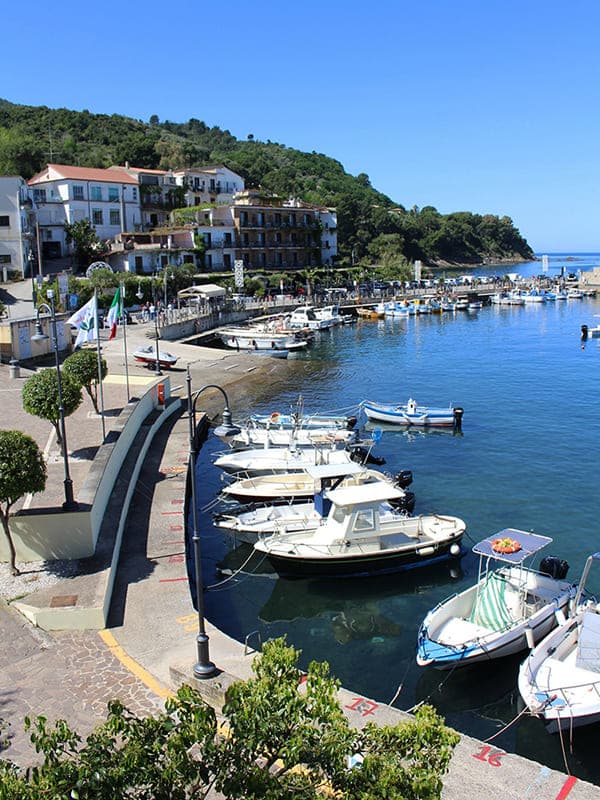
(555, 567)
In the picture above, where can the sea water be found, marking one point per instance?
(527, 457)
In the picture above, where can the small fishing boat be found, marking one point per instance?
(509, 608)
(369, 313)
(269, 460)
(560, 678)
(298, 418)
(256, 436)
(294, 486)
(257, 338)
(358, 532)
(412, 414)
(147, 357)
(306, 317)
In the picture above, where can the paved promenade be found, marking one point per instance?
(149, 644)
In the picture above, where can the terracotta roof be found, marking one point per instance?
(137, 170)
(57, 171)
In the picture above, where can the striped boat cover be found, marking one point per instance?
(489, 609)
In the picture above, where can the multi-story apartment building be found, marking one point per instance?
(63, 194)
(17, 226)
(234, 224)
(209, 185)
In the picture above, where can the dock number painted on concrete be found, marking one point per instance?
(363, 706)
(489, 754)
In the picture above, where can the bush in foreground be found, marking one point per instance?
(285, 737)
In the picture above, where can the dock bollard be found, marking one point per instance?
(14, 368)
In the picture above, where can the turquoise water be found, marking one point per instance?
(526, 458)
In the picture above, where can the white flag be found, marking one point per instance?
(86, 322)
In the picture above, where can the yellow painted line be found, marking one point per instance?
(136, 380)
(132, 665)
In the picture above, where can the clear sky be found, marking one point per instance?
(490, 106)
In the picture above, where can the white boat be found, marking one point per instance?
(305, 317)
(299, 419)
(265, 461)
(255, 436)
(147, 356)
(574, 294)
(331, 315)
(360, 533)
(509, 607)
(412, 414)
(304, 485)
(257, 338)
(560, 678)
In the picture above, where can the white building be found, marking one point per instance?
(17, 226)
(109, 198)
(328, 218)
(209, 185)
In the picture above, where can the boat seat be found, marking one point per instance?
(456, 631)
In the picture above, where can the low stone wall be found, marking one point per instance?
(51, 533)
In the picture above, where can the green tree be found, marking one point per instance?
(286, 737)
(40, 397)
(82, 366)
(22, 471)
(85, 241)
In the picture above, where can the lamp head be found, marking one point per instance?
(226, 428)
(39, 335)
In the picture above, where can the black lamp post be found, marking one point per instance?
(156, 333)
(69, 504)
(204, 668)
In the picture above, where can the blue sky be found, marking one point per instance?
(490, 106)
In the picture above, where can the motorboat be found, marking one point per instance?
(266, 460)
(306, 317)
(574, 294)
(300, 419)
(256, 436)
(147, 356)
(331, 315)
(411, 413)
(294, 486)
(357, 532)
(560, 678)
(510, 607)
(260, 338)
(369, 313)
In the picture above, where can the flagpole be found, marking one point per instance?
(124, 323)
(99, 366)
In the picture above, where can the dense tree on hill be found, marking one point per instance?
(31, 136)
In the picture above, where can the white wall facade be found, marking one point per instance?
(17, 226)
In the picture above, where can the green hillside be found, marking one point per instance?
(371, 226)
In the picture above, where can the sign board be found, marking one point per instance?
(545, 263)
(238, 273)
(417, 270)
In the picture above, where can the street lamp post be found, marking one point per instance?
(69, 504)
(156, 333)
(204, 667)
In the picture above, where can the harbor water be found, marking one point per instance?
(526, 458)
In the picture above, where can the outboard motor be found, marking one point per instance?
(351, 422)
(584, 333)
(458, 415)
(404, 479)
(364, 456)
(406, 503)
(555, 567)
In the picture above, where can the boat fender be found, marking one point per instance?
(559, 616)
(530, 638)
(454, 549)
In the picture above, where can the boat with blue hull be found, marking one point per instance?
(509, 608)
(412, 414)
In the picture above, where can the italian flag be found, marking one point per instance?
(114, 313)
